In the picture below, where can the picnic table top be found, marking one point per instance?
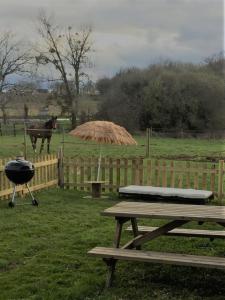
(205, 213)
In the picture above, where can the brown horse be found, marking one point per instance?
(42, 131)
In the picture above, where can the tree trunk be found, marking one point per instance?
(26, 111)
(4, 115)
(73, 119)
(74, 113)
(77, 82)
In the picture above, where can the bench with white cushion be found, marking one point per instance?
(165, 193)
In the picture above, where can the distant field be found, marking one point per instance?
(36, 104)
(172, 148)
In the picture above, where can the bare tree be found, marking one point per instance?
(13, 60)
(67, 52)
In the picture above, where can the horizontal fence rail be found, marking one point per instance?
(46, 175)
(78, 172)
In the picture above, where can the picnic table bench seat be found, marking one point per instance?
(159, 257)
(165, 193)
(184, 232)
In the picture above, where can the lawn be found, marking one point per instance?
(159, 147)
(44, 255)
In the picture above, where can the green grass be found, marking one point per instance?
(44, 255)
(160, 147)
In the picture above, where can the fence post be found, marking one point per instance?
(147, 142)
(220, 180)
(25, 141)
(60, 168)
(63, 139)
(14, 129)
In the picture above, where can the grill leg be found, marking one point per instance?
(34, 201)
(14, 194)
(13, 202)
(32, 197)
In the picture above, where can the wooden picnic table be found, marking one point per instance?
(176, 215)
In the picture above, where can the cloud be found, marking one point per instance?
(130, 32)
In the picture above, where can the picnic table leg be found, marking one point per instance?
(111, 263)
(135, 230)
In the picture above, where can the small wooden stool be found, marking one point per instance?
(96, 188)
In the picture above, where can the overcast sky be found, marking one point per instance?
(130, 32)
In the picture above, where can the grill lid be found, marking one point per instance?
(19, 171)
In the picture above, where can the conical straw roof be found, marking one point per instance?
(103, 132)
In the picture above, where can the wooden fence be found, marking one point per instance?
(115, 172)
(139, 171)
(46, 175)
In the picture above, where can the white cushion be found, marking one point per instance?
(165, 192)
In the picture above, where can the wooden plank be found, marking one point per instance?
(148, 236)
(196, 179)
(140, 171)
(188, 175)
(110, 174)
(82, 173)
(89, 177)
(133, 171)
(95, 160)
(134, 229)
(167, 211)
(180, 178)
(204, 177)
(125, 179)
(102, 178)
(67, 169)
(220, 179)
(149, 172)
(159, 257)
(212, 178)
(172, 175)
(75, 170)
(157, 172)
(112, 263)
(118, 172)
(184, 232)
(46, 162)
(39, 178)
(136, 171)
(46, 169)
(44, 185)
(22, 189)
(164, 174)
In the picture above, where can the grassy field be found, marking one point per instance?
(44, 256)
(159, 147)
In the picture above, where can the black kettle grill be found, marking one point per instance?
(20, 171)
